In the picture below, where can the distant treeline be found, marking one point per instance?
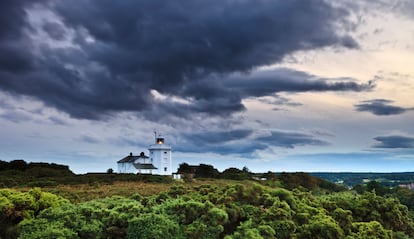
(21, 165)
(352, 179)
(18, 173)
(287, 180)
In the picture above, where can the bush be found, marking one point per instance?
(17, 206)
(153, 226)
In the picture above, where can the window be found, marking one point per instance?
(165, 169)
(165, 152)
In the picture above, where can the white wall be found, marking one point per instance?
(161, 156)
(126, 168)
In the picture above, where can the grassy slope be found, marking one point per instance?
(86, 192)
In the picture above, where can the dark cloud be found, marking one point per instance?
(243, 149)
(219, 137)
(192, 49)
(15, 53)
(222, 95)
(380, 107)
(243, 142)
(55, 30)
(394, 141)
(286, 80)
(290, 139)
(12, 18)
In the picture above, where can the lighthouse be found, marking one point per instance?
(160, 156)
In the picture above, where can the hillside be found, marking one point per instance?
(232, 205)
(201, 209)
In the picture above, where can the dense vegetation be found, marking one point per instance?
(206, 211)
(287, 205)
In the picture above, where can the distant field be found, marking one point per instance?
(86, 192)
(352, 179)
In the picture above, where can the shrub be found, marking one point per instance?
(153, 226)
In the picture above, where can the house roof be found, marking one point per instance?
(131, 158)
(144, 166)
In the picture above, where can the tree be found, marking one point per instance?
(379, 189)
(4, 165)
(18, 164)
(184, 168)
(206, 171)
(235, 174)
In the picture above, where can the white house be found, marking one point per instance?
(158, 162)
(134, 164)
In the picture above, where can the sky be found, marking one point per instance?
(273, 85)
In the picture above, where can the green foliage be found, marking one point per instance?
(344, 218)
(17, 206)
(321, 227)
(43, 230)
(153, 226)
(246, 230)
(308, 182)
(185, 168)
(206, 171)
(378, 188)
(405, 196)
(211, 210)
(105, 218)
(20, 174)
(371, 207)
(369, 230)
(235, 174)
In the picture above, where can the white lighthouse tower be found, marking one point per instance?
(160, 156)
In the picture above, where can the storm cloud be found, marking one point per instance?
(14, 57)
(265, 83)
(200, 51)
(290, 139)
(380, 107)
(219, 137)
(394, 141)
(245, 142)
